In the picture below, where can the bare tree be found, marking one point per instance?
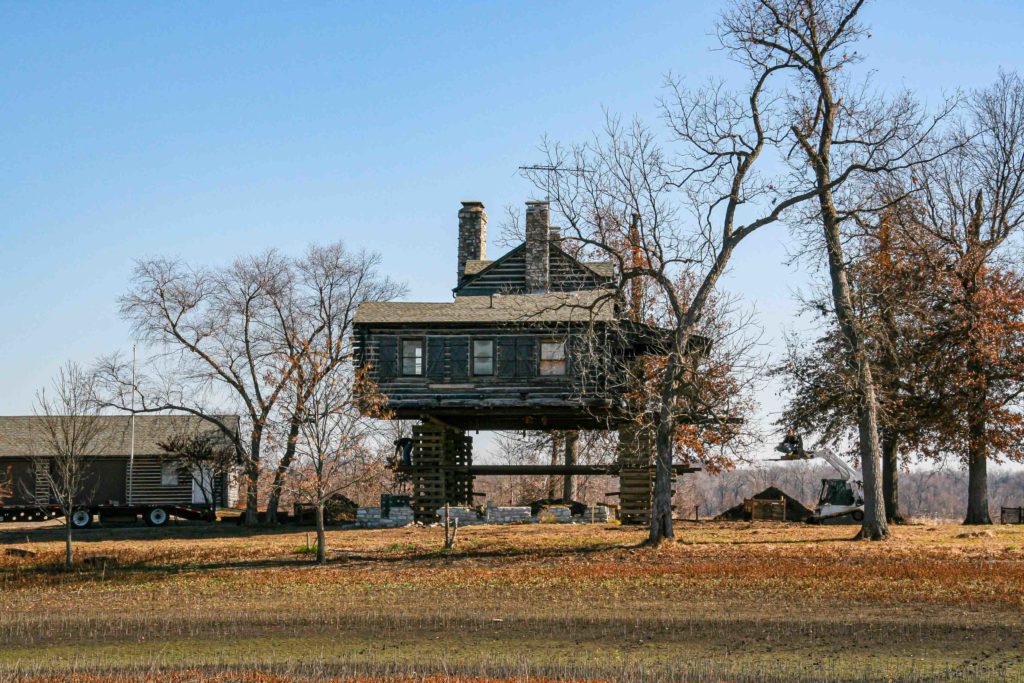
(624, 198)
(843, 135)
(207, 457)
(71, 430)
(236, 336)
(339, 444)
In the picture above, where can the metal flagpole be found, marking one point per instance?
(131, 452)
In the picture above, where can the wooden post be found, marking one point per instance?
(696, 513)
(568, 492)
(450, 530)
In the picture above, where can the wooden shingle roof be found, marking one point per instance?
(26, 436)
(595, 304)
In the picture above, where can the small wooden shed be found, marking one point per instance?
(771, 504)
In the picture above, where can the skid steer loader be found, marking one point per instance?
(839, 497)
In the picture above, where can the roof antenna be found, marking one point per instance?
(548, 170)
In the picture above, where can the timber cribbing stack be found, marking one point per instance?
(436, 449)
(636, 478)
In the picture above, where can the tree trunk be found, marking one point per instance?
(891, 478)
(875, 527)
(252, 476)
(274, 499)
(68, 563)
(977, 490)
(977, 473)
(661, 509)
(556, 447)
(321, 536)
(570, 459)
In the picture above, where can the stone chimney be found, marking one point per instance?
(472, 235)
(537, 246)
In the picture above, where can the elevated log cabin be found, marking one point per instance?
(155, 478)
(506, 353)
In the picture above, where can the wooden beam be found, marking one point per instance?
(516, 470)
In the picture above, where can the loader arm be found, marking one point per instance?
(846, 473)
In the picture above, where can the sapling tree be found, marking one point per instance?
(339, 444)
(71, 430)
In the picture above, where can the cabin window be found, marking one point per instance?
(412, 357)
(483, 356)
(552, 357)
(169, 473)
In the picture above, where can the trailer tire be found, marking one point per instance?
(81, 518)
(858, 515)
(156, 517)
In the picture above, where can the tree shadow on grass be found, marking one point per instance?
(177, 531)
(88, 568)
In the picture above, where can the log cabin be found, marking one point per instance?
(535, 339)
(153, 478)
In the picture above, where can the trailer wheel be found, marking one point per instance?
(156, 517)
(858, 515)
(81, 518)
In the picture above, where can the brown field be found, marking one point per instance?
(735, 602)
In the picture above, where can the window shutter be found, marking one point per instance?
(526, 356)
(458, 357)
(387, 361)
(435, 358)
(506, 350)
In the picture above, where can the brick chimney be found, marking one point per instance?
(472, 235)
(537, 246)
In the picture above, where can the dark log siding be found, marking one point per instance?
(507, 275)
(147, 484)
(449, 383)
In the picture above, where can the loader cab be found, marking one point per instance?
(836, 492)
(839, 499)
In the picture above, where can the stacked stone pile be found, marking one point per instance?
(555, 513)
(460, 513)
(596, 514)
(371, 518)
(508, 515)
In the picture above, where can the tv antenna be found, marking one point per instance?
(548, 169)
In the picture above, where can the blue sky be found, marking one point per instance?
(206, 130)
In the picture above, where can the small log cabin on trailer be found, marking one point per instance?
(112, 478)
(532, 340)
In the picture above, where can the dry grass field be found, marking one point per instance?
(734, 602)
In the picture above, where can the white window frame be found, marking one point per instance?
(553, 359)
(170, 473)
(417, 357)
(475, 356)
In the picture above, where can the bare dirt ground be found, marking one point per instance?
(757, 602)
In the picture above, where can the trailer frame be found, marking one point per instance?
(84, 516)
